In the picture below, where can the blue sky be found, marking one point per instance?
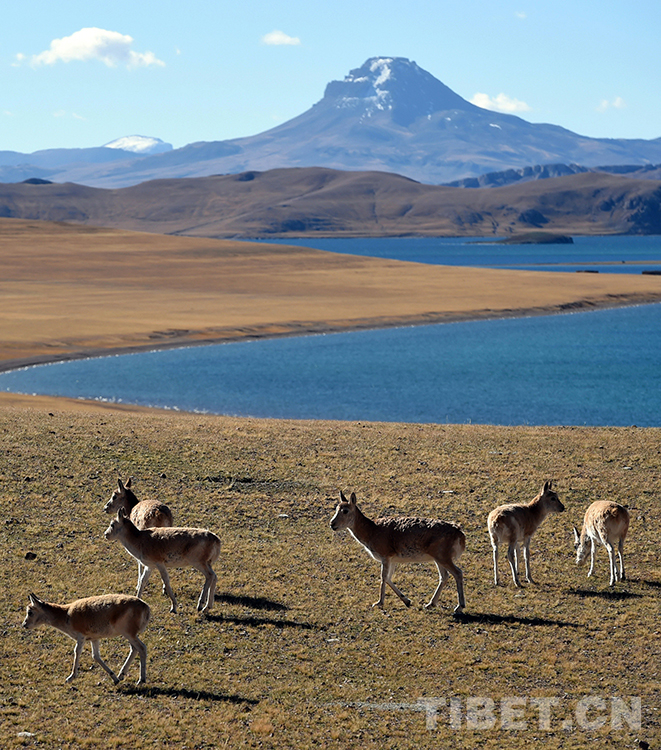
(83, 73)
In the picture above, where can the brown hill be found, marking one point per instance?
(320, 202)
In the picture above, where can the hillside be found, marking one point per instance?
(320, 202)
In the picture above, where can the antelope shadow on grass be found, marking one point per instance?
(493, 619)
(258, 622)
(199, 695)
(612, 595)
(255, 602)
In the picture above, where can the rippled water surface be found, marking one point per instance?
(592, 368)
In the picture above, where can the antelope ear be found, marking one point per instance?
(547, 485)
(121, 513)
(342, 498)
(34, 600)
(119, 484)
(128, 484)
(353, 498)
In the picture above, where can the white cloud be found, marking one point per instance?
(109, 47)
(500, 103)
(63, 113)
(617, 103)
(521, 14)
(279, 38)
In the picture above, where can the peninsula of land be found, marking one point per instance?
(72, 291)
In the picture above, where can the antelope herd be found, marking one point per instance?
(145, 530)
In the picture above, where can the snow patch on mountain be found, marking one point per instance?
(140, 144)
(382, 65)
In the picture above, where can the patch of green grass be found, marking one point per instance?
(293, 655)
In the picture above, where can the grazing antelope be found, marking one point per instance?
(92, 619)
(515, 524)
(391, 541)
(145, 514)
(169, 547)
(607, 522)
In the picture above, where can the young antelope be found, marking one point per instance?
(515, 524)
(94, 618)
(169, 547)
(145, 514)
(608, 523)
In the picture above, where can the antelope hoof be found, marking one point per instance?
(429, 605)
(378, 604)
(458, 609)
(407, 602)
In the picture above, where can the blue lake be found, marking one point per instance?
(603, 254)
(591, 368)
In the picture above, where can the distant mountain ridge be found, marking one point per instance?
(387, 115)
(548, 171)
(317, 202)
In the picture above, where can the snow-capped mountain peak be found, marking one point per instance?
(140, 144)
(395, 84)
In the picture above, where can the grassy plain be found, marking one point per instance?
(293, 655)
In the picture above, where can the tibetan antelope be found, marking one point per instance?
(92, 619)
(169, 547)
(391, 541)
(608, 523)
(145, 514)
(515, 524)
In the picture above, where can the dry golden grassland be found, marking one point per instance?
(293, 655)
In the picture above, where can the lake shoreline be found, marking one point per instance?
(208, 337)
